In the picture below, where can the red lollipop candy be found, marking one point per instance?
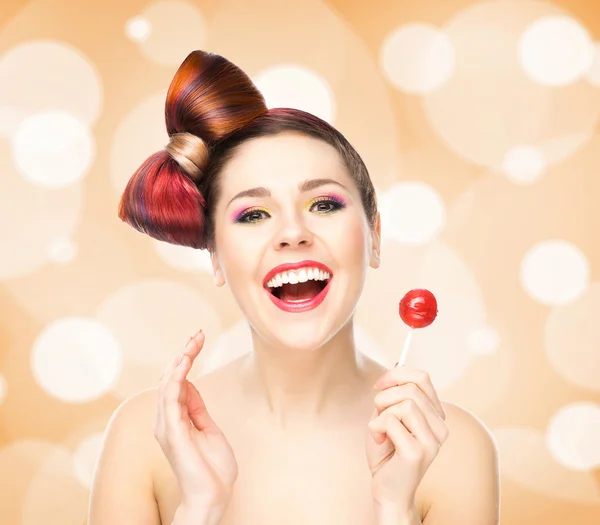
(418, 309)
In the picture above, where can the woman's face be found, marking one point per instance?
(284, 223)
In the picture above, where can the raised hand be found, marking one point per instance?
(406, 430)
(200, 455)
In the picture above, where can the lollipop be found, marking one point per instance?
(418, 309)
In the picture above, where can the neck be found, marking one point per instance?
(299, 387)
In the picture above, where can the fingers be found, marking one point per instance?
(173, 399)
(407, 446)
(197, 410)
(187, 348)
(396, 394)
(172, 391)
(408, 413)
(194, 350)
(401, 375)
(402, 439)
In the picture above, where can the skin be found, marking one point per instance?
(310, 435)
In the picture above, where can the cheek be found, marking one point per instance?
(239, 253)
(354, 242)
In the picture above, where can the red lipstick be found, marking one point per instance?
(298, 306)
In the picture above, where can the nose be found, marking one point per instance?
(293, 234)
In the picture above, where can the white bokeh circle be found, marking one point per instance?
(295, 86)
(524, 164)
(76, 359)
(555, 50)
(411, 212)
(483, 340)
(53, 148)
(138, 28)
(417, 58)
(62, 250)
(554, 272)
(573, 436)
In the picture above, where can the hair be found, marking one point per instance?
(212, 108)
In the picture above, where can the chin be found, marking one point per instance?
(302, 336)
(297, 339)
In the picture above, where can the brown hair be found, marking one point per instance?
(212, 108)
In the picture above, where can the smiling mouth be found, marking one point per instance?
(298, 292)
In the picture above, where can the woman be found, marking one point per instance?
(304, 429)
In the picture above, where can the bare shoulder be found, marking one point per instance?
(134, 420)
(138, 408)
(123, 462)
(466, 430)
(465, 473)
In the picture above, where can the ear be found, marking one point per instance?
(376, 244)
(217, 272)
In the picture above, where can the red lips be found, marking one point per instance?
(298, 306)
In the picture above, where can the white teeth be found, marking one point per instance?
(298, 276)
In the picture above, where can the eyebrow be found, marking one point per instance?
(307, 185)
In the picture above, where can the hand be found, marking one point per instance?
(407, 430)
(200, 455)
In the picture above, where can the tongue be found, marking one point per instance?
(300, 291)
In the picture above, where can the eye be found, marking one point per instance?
(252, 215)
(326, 204)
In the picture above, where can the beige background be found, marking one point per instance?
(479, 124)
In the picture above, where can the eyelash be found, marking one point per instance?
(338, 204)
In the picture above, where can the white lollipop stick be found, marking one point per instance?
(404, 353)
